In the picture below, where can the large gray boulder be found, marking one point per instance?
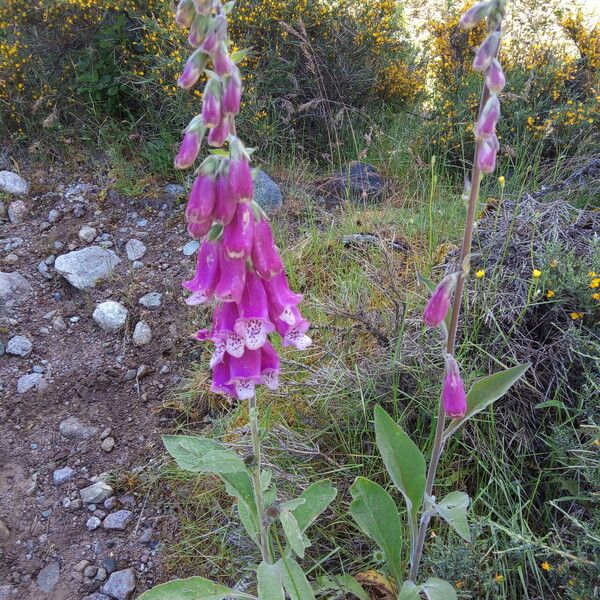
(11, 183)
(84, 268)
(267, 193)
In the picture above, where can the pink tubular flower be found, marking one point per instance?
(486, 52)
(486, 159)
(253, 323)
(199, 230)
(269, 366)
(223, 64)
(265, 257)
(220, 380)
(203, 284)
(282, 300)
(185, 13)
(216, 34)
(294, 335)
(232, 278)
(218, 135)
(238, 235)
(223, 334)
(240, 180)
(476, 14)
(202, 199)
(245, 373)
(225, 205)
(494, 77)
(490, 116)
(198, 30)
(453, 392)
(232, 96)
(190, 145)
(439, 303)
(194, 66)
(211, 103)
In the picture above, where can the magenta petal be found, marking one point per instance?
(207, 272)
(226, 316)
(222, 62)
(188, 151)
(254, 324)
(245, 373)
(495, 78)
(438, 305)
(269, 366)
(220, 380)
(225, 205)
(294, 335)
(218, 135)
(202, 199)
(240, 180)
(281, 299)
(238, 235)
(453, 392)
(232, 278)
(199, 230)
(489, 117)
(265, 257)
(486, 159)
(486, 52)
(211, 108)
(232, 96)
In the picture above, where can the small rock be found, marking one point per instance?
(118, 520)
(105, 433)
(74, 429)
(87, 234)
(357, 181)
(96, 596)
(135, 249)
(110, 316)
(4, 532)
(62, 476)
(58, 324)
(151, 301)
(130, 375)
(44, 271)
(108, 444)
(142, 334)
(81, 565)
(109, 564)
(12, 243)
(90, 571)
(191, 247)
(120, 584)
(14, 290)
(96, 493)
(48, 577)
(267, 193)
(93, 523)
(84, 268)
(28, 382)
(146, 536)
(7, 592)
(11, 259)
(137, 265)
(19, 345)
(174, 189)
(54, 216)
(11, 183)
(110, 503)
(17, 211)
(101, 575)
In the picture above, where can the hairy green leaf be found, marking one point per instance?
(201, 455)
(317, 497)
(294, 580)
(404, 463)
(409, 591)
(376, 513)
(269, 582)
(438, 589)
(453, 509)
(487, 390)
(194, 588)
(341, 583)
(292, 532)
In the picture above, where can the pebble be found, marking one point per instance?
(54, 216)
(28, 382)
(48, 577)
(19, 345)
(118, 520)
(109, 564)
(93, 523)
(58, 324)
(96, 493)
(17, 212)
(101, 575)
(137, 265)
(14, 290)
(151, 301)
(11, 259)
(146, 536)
(85, 267)
(81, 565)
(120, 584)
(174, 189)
(110, 316)
(110, 503)
(108, 444)
(44, 271)
(135, 249)
(90, 571)
(130, 375)
(74, 429)
(4, 532)
(142, 334)
(62, 476)
(11, 183)
(105, 433)
(87, 234)
(191, 247)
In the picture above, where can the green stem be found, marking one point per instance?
(263, 533)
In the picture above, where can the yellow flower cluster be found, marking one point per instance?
(586, 40)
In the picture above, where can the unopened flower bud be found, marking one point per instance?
(476, 14)
(494, 77)
(223, 64)
(454, 398)
(217, 32)
(486, 52)
(185, 14)
(190, 146)
(232, 96)
(489, 117)
(486, 159)
(202, 197)
(211, 103)
(198, 30)
(218, 135)
(238, 235)
(225, 204)
(439, 303)
(194, 66)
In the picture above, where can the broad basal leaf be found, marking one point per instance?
(317, 497)
(194, 588)
(487, 390)
(376, 514)
(403, 460)
(453, 509)
(269, 582)
(438, 589)
(201, 455)
(409, 591)
(341, 583)
(294, 580)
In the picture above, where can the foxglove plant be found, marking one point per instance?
(372, 507)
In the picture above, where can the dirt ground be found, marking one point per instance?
(111, 386)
